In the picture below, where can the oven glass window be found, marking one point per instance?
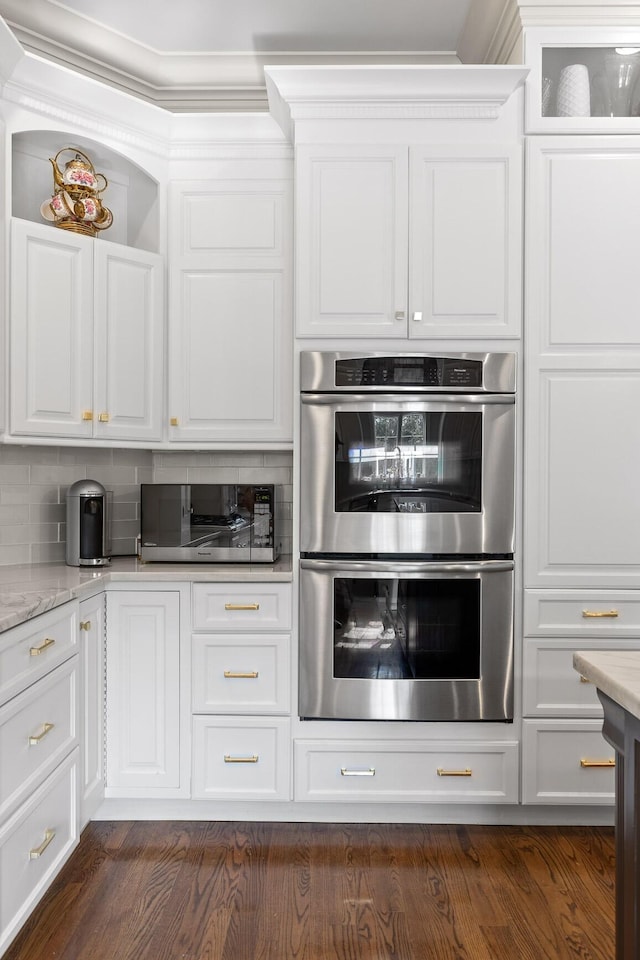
(408, 462)
(406, 629)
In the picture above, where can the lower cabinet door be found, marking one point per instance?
(406, 771)
(34, 844)
(241, 758)
(143, 694)
(566, 761)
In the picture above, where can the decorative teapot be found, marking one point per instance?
(79, 176)
(76, 204)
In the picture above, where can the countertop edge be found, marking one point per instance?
(28, 590)
(616, 673)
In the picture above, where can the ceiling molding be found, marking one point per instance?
(198, 81)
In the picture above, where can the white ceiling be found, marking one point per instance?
(209, 54)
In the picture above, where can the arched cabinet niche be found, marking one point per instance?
(131, 194)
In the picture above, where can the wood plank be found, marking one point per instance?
(288, 891)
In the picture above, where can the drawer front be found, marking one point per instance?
(241, 758)
(566, 761)
(241, 674)
(38, 729)
(34, 845)
(582, 613)
(406, 772)
(551, 686)
(31, 650)
(254, 606)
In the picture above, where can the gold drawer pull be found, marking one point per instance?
(600, 613)
(38, 851)
(253, 759)
(36, 651)
(37, 737)
(85, 625)
(242, 606)
(236, 675)
(597, 763)
(368, 772)
(467, 772)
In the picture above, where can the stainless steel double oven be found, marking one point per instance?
(407, 536)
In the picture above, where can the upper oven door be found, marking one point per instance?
(407, 475)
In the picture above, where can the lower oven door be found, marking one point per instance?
(406, 641)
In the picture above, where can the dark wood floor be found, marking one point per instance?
(269, 891)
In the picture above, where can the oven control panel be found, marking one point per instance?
(408, 371)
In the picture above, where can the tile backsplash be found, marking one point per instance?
(34, 483)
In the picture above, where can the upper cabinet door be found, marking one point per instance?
(129, 343)
(351, 241)
(465, 246)
(230, 344)
(51, 332)
(583, 208)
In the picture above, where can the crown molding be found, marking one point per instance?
(384, 92)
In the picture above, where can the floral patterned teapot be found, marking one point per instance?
(76, 204)
(78, 176)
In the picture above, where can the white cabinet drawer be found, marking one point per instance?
(241, 758)
(566, 761)
(34, 844)
(37, 729)
(551, 686)
(582, 613)
(254, 606)
(406, 771)
(29, 651)
(241, 674)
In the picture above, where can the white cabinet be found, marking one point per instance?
(86, 337)
(145, 730)
(241, 691)
(582, 456)
(91, 626)
(40, 734)
(408, 241)
(406, 771)
(230, 348)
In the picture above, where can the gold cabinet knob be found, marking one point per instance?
(103, 417)
(87, 414)
(174, 422)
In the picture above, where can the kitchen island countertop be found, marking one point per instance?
(615, 672)
(28, 590)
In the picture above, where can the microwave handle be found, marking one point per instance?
(461, 566)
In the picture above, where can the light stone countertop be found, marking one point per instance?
(615, 672)
(30, 589)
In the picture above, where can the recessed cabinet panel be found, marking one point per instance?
(583, 522)
(230, 318)
(464, 252)
(583, 209)
(351, 266)
(143, 709)
(51, 331)
(233, 220)
(129, 343)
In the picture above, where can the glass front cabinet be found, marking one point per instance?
(584, 80)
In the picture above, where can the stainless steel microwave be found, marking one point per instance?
(208, 522)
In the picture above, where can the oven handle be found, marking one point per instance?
(318, 399)
(409, 566)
